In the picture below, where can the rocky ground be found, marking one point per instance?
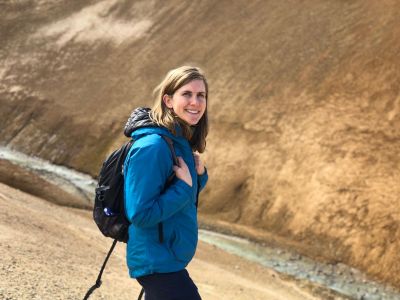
(54, 252)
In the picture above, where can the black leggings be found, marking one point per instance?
(169, 286)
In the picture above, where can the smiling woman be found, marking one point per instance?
(161, 208)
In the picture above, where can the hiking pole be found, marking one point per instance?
(98, 281)
(141, 294)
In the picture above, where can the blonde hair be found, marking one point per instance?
(164, 116)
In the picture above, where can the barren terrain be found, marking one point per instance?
(54, 252)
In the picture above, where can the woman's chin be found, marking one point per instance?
(192, 122)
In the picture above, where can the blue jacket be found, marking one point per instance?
(148, 201)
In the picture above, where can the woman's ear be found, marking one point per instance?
(167, 100)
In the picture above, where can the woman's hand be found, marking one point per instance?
(182, 171)
(199, 164)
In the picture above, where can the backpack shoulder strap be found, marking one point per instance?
(171, 147)
(119, 166)
(170, 144)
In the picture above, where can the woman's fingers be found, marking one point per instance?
(181, 162)
(182, 171)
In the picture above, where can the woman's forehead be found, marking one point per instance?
(196, 85)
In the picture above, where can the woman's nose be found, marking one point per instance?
(195, 100)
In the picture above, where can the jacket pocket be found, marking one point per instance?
(183, 246)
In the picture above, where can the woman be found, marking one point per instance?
(157, 257)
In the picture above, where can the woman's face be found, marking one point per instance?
(188, 102)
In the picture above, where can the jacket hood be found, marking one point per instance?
(139, 118)
(140, 124)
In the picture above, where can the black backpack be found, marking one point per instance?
(109, 208)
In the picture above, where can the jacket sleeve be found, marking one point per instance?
(202, 179)
(147, 202)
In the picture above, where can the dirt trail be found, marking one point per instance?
(54, 252)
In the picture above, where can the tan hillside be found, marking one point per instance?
(304, 106)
